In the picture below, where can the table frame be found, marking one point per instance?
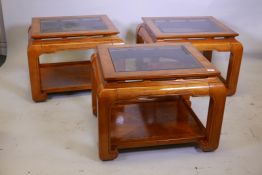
(106, 94)
(37, 47)
(206, 45)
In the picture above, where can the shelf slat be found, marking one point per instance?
(67, 76)
(154, 123)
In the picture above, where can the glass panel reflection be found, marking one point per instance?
(74, 24)
(131, 59)
(172, 25)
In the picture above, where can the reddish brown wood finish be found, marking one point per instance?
(69, 76)
(154, 123)
(154, 112)
(110, 74)
(37, 34)
(190, 27)
(207, 42)
(61, 77)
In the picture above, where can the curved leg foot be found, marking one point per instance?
(33, 63)
(214, 118)
(106, 99)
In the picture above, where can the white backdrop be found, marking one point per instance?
(60, 136)
(242, 16)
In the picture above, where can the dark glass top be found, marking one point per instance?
(171, 25)
(132, 59)
(72, 25)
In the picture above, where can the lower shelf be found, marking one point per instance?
(154, 123)
(68, 76)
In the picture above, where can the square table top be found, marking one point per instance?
(153, 61)
(187, 27)
(72, 26)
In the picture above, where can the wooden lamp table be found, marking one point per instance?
(140, 95)
(205, 33)
(52, 34)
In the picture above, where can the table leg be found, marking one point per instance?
(106, 99)
(139, 39)
(187, 99)
(234, 67)
(33, 62)
(215, 117)
(94, 86)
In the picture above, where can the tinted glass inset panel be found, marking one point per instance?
(187, 25)
(131, 59)
(69, 25)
